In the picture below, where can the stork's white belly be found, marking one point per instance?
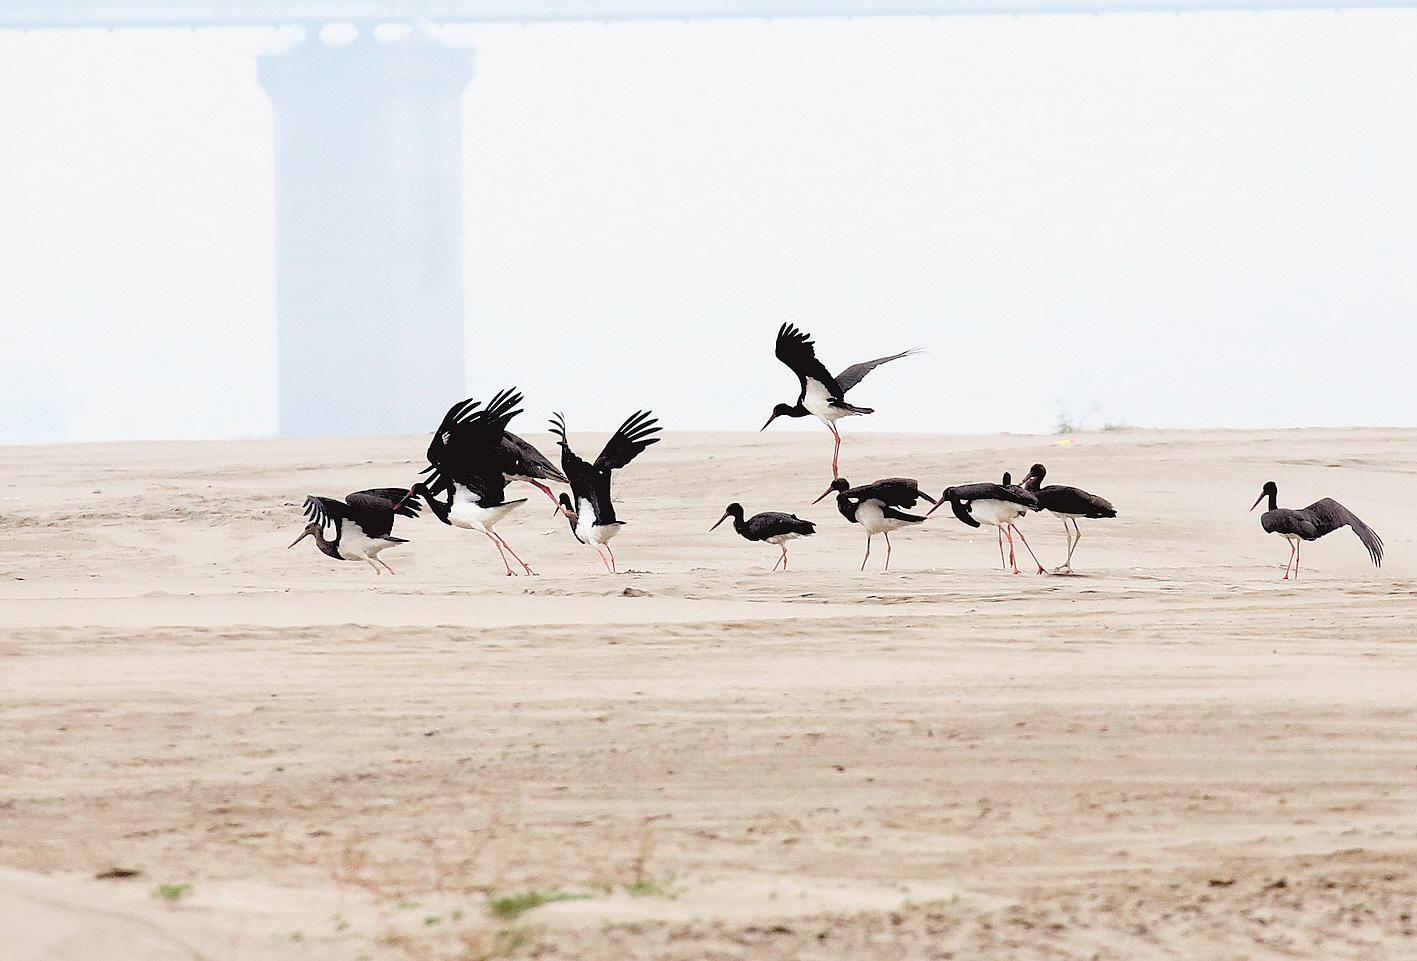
(997, 513)
(467, 513)
(780, 539)
(588, 530)
(355, 546)
(870, 516)
(818, 401)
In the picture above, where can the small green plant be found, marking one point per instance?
(171, 893)
(649, 888)
(509, 906)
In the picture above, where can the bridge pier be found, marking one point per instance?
(368, 215)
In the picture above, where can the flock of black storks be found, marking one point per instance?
(473, 457)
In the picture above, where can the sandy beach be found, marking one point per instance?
(1171, 755)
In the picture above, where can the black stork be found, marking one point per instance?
(592, 513)
(998, 505)
(517, 458)
(467, 469)
(880, 508)
(821, 394)
(1311, 523)
(1068, 503)
(772, 527)
(363, 523)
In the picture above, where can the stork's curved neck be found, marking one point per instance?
(1273, 501)
(327, 546)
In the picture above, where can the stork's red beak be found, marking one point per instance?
(303, 535)
(936, 507)
(765, 426)
(725, 517)
(1257, 501)
(824, 494)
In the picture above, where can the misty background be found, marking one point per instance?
(1166, 221)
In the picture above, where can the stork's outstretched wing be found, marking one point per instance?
(1329, 515)
(856, 373)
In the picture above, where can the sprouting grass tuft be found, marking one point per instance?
(171, 893)
(649, 888)
(512, 905)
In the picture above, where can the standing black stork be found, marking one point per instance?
(773, 527)
(1069, 503)
(996, 504)
(821, 394)
(467, 467)
(878, 508)
(517, 458)
(363, 522)
(592, 513)
(1311, 523)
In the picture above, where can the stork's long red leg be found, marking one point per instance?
(868, 552)
(614, 568)
(1290, 563)
(888, 551)
(1296, 559)
(836, 452)
(784, 558)
(1002, 561)
(1029, 549)
(602, 559)
(525, 566)
(1012, 561)
(500, 553)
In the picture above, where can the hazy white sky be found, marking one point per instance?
(1179, 220)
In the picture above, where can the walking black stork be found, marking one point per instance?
(821, 394)
(878, 507)
(1068, 503)
(592, 513)
(996, 504)
(363, 522)
(1311, 523)
(467, 467)
(517, 458)
(772, 527)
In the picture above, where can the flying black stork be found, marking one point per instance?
(362, 522)
(772, 527)
(821, 394)
(592, 512)
(1068, 503)
(998, 505)
(1311, 523)
(517, 458)
(467, 461)
(880, 508)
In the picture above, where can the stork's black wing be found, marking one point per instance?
(891, 491)
(459, 411)
(374, 510)
(773, 523)
(1329, 515)
(629, 441)
(995, 492)
(1074, 500)
(796, 349)
(472, 449)
(325, 510)
(856, 373)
